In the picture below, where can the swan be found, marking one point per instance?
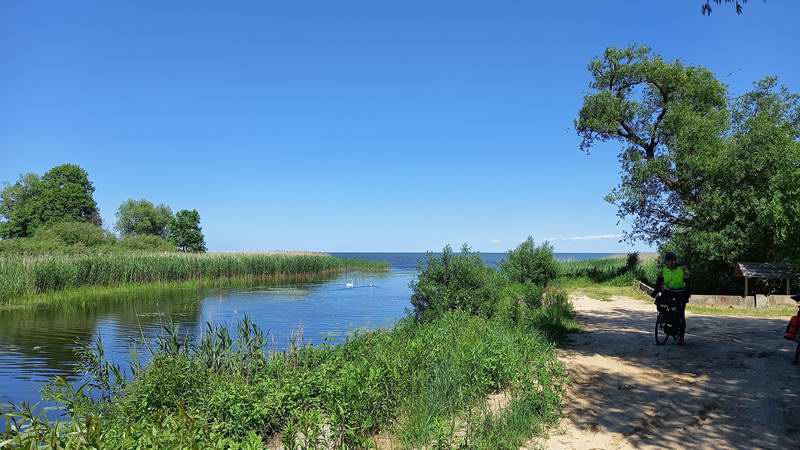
(349, 284)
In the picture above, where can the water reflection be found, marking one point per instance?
(37, 344)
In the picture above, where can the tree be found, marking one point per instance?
(710, 176)
(185, 231)
(142, 217)
(62, 194)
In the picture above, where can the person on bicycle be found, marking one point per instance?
(673, 281)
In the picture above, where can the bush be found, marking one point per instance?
(516, 300)
(529, 263)
(167, 382)
(75, 234)
(143, 242)
(632, 261)
(31, 246)
(556, 317)
(62, 237)
(454, 282)
(427, 375)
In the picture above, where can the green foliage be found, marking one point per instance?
(427, 382)
(75, 234)
(64, 193)
(556, 317)
(168, 381)
(712, 178)
(27, 275)
(454, 281)
(516, 299)
(529, 263)
(613, 271)
(145, 243)
(185, 231)
(415, 380)
(142, 217)
(61, 237)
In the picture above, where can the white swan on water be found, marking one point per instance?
(349, 284)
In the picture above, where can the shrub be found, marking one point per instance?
(75, 233)
(529, 263)
(516, 300)
(143, 242)
(454, 282)
(556, 317)
(167, 382)
(632, 261)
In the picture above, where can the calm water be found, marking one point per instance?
(36, 345)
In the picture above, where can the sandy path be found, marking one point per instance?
(731, 386)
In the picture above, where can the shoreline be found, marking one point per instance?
(26, 280)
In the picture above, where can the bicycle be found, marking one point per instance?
(668, 322)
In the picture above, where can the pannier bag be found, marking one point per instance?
(792, 328)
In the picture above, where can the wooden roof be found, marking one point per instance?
(769, 271)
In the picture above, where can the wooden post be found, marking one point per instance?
(746, 279)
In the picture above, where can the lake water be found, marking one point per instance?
(38, 344)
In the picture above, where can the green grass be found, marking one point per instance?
(605, 279)
(24, 277)
(600, 291)
(779, 311)
(423, 384)
(612, 271)
(87, 296)
(429, 382)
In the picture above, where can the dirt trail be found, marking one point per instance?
(731, 386)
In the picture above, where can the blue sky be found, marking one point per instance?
(351, 126)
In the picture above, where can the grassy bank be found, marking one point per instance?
(88, 296)
(473, 367)
(604, 279)
(22, 277)
(417, 385)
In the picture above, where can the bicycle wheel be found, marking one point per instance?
(661, 336)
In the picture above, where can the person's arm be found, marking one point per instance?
(659, 286)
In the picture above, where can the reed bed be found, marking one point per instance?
(22, 276)
(616, 270)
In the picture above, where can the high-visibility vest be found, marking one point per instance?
(673, 278)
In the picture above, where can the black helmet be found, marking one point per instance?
(670, 256)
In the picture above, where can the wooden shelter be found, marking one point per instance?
(766, 271)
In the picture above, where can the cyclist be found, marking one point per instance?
(674, 281)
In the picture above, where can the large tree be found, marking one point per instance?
(63, 194)
(715, 177)
(142, 217)
(185, 231)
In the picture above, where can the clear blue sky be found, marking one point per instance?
(351, 126)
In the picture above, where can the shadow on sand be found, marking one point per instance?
(733, 385)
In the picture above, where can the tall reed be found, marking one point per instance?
(26, 275)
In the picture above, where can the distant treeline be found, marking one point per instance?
(56, 212)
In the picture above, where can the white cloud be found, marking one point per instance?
(593, 237)
(495, 241)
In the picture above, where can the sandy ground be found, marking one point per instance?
(731, 386)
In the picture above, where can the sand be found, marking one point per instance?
(731, 386)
